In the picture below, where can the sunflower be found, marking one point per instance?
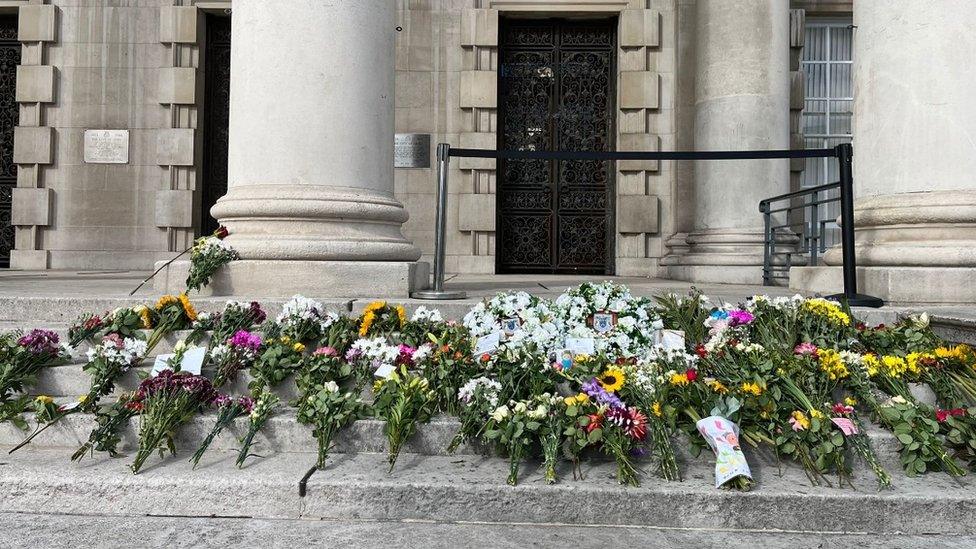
(191, 313)
(144, 316)
(165, 301)
(612, 379)
(367, 321)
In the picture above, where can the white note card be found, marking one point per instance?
(488, 343)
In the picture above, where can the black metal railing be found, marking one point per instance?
(843, 153)
(803, 214)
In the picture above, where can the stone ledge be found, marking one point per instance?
(282, 278)
(895, 285)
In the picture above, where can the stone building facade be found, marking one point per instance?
(292, 103)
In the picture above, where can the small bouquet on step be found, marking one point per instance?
(264, 407)
(327, 409)
(381, 318)
(404, 400)
(169, 314)
(165, 402)
(110, 420)
(228, 410)
(208, 254)
(238, 353)
(23, 357)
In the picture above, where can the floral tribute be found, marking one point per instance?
(597, 371)
(209, 253)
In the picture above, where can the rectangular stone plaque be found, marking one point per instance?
(411, 150)
(107, 146)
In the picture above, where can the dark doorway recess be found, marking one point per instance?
(216, 117)
(9, 116)
(556, 91)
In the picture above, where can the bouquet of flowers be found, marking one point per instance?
(264, 407)
(235, 317)
(23, 357)
(165, 402)
(170, 313)
(525, 323)
(328, 409)
(513, 428)
(280, 358)
(86, 328)
(305, 320)
(208, 254)
(478, 398)
(107, 361)
(238, 353)
(380, 318)
(446, 360)
(228, 409)
(403, 399)
(621, 325)
(110, 422)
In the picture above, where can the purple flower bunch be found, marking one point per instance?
(243, 339)
(739, 317)
(601, 396)
(40, 342)
(170, 383)
(256, 313)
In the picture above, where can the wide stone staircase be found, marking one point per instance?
(428, 484)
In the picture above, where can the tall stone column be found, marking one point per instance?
(310, 203)
(914, 154)
(741, 103)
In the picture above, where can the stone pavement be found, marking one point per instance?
(22, 530)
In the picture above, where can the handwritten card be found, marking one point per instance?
(723, 436)
(487, 344)
(581, 345)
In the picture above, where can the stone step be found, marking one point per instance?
(283, 434)
(54, 530)
(472, 488)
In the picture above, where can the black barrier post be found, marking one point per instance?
(845, 154)
(440, 242)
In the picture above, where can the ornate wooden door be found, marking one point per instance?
(216, 117)
(556, 92)
(9, 115)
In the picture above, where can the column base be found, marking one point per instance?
(727, 256)
(895, 285)
(317, 279)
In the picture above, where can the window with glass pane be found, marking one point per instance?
(828, 105)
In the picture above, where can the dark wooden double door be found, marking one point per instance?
(556, 92)
(9, 115)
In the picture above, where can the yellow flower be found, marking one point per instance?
(165, 301)
(285, 340)
(679, 379)
(828, 310)
(871, 363)
(83, 399)
(817, 414)
(717, 386)
(800, 421)
(191, 313)
(366, 322)
(581, 398)
(656, 409)
(144, 316)
(298, 348)
(44, 399)
(580, 358)
(832, 364)
(612, 379)
(894, 366)
(917, 361)
(374, 306)
(402, 314)
(752, 388)
(850, 401)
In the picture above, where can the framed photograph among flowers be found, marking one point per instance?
(604, 322)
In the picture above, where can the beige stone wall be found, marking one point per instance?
(447, 62)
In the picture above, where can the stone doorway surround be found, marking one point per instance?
(646, 53)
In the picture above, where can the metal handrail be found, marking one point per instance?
(812, 229)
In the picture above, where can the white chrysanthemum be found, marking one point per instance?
(632, 334)
(423, 314)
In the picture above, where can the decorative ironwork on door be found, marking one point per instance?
(216, 117)
(9, 115)
(556, 92)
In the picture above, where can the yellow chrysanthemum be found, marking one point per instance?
(817, 414)
(44, 399)
(718, 386)
(656, 409)
(894, 366)
(850, 401)
(679, 380)
(872, 364)
(918, 361)
(832, 364)
(612, 379)
(298, 348)
(752, 388)
(285, 340)
(828, 310)
(191, 313)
